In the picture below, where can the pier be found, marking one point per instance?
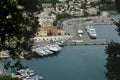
(91, 42)
(100, 23)
(73, 28)
(86, 40)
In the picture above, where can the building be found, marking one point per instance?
(45, 17)
(46, 23)
(92, 11)
(46, 5)
(47, 29)
(41, 32)
(61, 31)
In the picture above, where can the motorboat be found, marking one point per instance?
(23, 73)
(26, 74)
(47, 50)
(91, 31)
(60, 43)
(40, 52)
(54, 47)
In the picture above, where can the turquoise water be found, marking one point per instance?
(76, 62)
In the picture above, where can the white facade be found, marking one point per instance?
(52, 38)
(44, 17)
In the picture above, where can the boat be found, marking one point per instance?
(40, 52)
(26, 74)
(91, 31)
(54, 48)
(60, 43)
(47, 50)
(23, 73)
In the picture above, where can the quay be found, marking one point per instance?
(100, 23)
(91, 42)
(73, 28)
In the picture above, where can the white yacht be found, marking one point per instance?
(40, 51)
(26, 74)
(91, 31)
(23, 73)
(47, 50)
(54, 48)
(60, 43)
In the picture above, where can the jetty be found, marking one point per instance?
(85, 39)
(91, 42)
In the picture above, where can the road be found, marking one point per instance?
(71, 27)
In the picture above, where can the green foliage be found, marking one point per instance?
(113, 61)
(118, 27)
(83, 6)
(63, 16)
(29, 5)
(10, 20)
(8, 78)
(13, 26)
(107, 5)
(117, 2)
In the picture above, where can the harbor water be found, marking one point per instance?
(72, 63)
(83, 62)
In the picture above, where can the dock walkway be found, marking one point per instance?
(91, 42)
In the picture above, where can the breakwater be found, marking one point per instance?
(90, 42)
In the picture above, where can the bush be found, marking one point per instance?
(8, 78)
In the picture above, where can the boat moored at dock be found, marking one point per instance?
(91, 31)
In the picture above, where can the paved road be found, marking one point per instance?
(71, 27)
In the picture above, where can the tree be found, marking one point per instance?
(117, 5)
(10, 22)
(113, 59)
(13, 28)
(118, 27)
(9, 78)
(29, 5)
